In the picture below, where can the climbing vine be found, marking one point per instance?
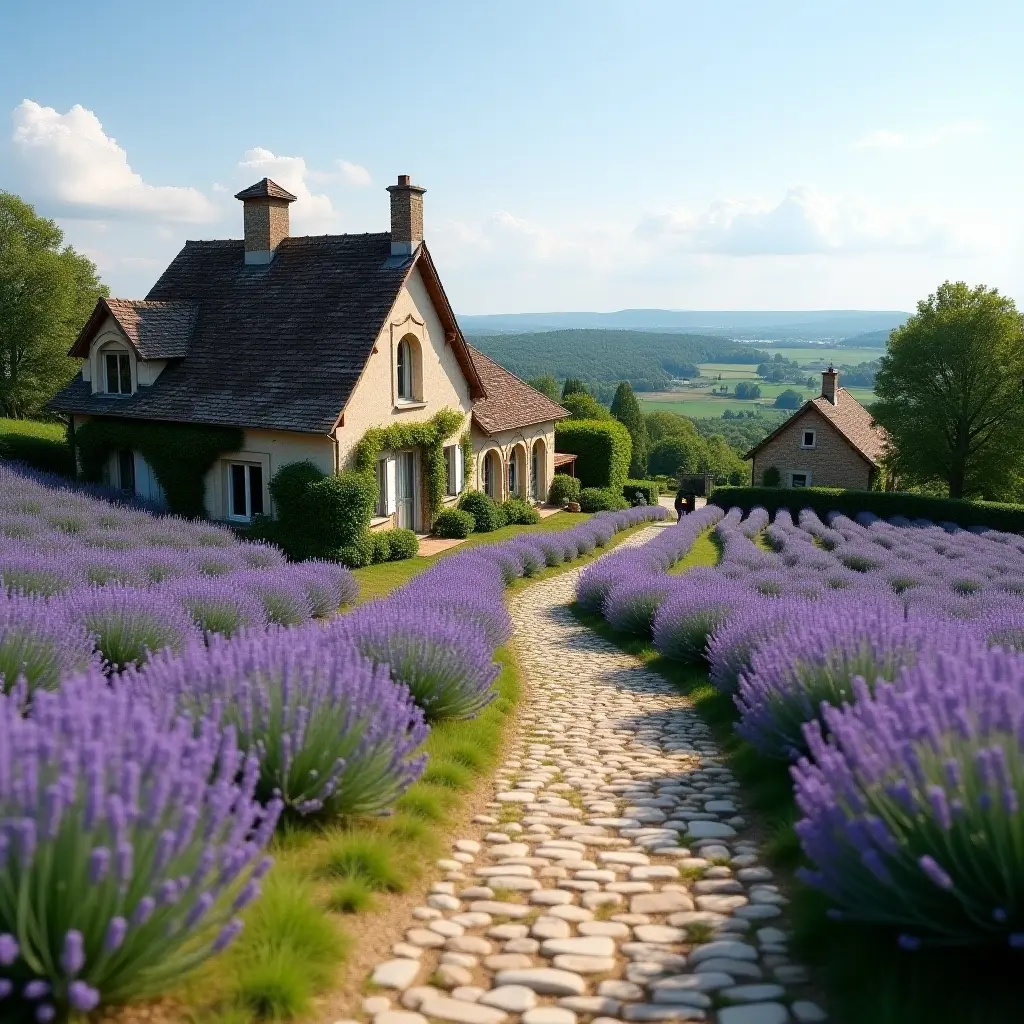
(180, 455)
(467, 455)
(429, 437)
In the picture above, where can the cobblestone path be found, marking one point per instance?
(610, 879)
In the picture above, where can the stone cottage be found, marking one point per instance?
(831, 441)
(305, 343)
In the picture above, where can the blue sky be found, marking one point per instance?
(576, 155)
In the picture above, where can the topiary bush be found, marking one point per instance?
(641, 492)
(402, 544)
(564, 488)
(771, 477)
(486, 512)
(150, 822)
(519, 513)
(380, 546)
(454, 524)
(602, 447)
(601, 499)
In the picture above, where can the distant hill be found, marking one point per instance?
(870, 339)
(769, 325)
(647, 360)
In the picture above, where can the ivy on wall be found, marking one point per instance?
(429, 437)
(467, 456)
(179, 454)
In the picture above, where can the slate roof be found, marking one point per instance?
(156, 330)
(278, 345)
(510, 403)
(265, 189)
(850, 419)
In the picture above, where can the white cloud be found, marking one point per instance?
(882, 138)
(69, 162)
(314, 213)
(354, 174)
(805, 221)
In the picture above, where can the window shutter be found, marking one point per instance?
(458, 468)
(390, 485)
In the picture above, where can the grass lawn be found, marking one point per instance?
(32, 428)
(379, 580)
(864, 975)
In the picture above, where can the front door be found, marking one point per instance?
(405, 489)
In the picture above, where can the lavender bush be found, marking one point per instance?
(911, 811)
(219, 606)
(698, 606)
(333, 733)
(130, 841)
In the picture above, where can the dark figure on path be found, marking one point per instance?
(681, 504)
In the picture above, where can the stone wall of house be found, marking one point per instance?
(832, 462)
(519, 443)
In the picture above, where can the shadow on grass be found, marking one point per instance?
(867, 978)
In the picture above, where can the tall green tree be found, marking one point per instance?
(573, 386)
(626, 409)
(951, 392)
(546, 385)
(47, 291)
(584, 406)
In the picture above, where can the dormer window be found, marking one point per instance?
(118, 373)
(404, 371)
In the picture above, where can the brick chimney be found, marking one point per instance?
(830, 383)
(265, 213)
(406, 216)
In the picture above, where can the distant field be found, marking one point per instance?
(850, 356)
(701, 402)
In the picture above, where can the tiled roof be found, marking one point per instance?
(157, 330)
(265, 189)
(850, 419)
(278, 345)
(510, 402)
(854, 422)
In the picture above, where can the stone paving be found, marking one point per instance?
(611, 880)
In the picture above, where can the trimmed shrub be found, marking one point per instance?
(771, 477)
(601, 499)
(647, 489)
(886, 504)
(564, 488)
(486, 512)
(380, 546)
(355, 555)
(454, 524)
(402, 544)
(152, 824)
(602, 448)
(519, 513)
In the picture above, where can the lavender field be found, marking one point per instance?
(884, 662)
(171, 693)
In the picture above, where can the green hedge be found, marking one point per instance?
(996, 515)
(602, 449)
(648, 488)
(601, 499)
(564, 488)
(48, 454)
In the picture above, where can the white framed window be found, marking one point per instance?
(117, 373)
(454, 470)
(799, 479)
(808, 439)
(404, 371)
(245, 491)
(387, 486)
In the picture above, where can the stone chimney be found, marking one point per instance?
(265, 212)
(406, 216)
(830, 383)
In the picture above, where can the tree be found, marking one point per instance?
(573, 386)
(626, 409)
(680, 454)
(951, 391)
(747, 390)
(546, 385)
(789, 399)
(584, 406)
(668, 424)
(722, 463)
(46, 294)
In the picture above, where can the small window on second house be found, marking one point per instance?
(798, 480)
(809, 439)
(119, 373)
(245, 490)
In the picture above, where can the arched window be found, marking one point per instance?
(405, 371)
